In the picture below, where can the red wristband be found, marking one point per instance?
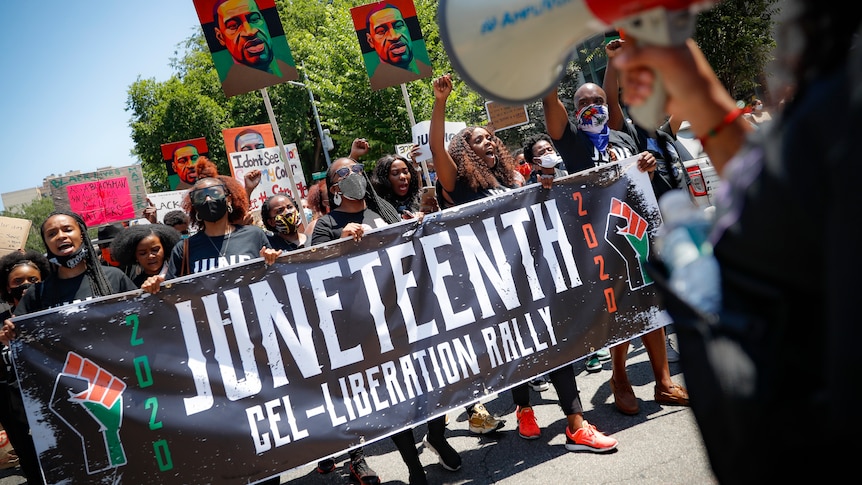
(728, 119)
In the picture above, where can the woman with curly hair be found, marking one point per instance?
(477, 163)
(145, 246)
(217, 206)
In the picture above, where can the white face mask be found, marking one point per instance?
(593, 118)
(550, 160)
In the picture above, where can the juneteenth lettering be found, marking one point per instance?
(145, 379)
(448, 362)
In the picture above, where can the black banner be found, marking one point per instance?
(233, 376)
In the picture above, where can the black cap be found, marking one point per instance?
(106, 234)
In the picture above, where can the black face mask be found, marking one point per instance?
(18, 292)
(71, 260)
(212, 210)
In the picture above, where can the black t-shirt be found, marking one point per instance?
(580, 154)
(206, 253)
(463, 193)
(328, 228)
(277, 242)
(53, 291)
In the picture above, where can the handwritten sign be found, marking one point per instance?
(13, 234)
(420, 136)
(274, 177)
(503, 116)
(167, 201)
(102, 197)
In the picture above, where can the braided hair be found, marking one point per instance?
(100, 284)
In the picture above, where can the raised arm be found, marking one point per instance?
(447, 171)
(556, 116)
(611, 85)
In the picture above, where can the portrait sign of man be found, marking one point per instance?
(391, 41)
(247, 43)
(181, 158)
(251, 137)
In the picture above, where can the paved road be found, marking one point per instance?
(661, 445)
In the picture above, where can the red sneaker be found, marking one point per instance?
(527, 426)
(588, 438)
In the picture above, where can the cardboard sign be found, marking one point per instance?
(274, 177)
(167, 201)
(502, 116)
(13, 234)
(420, 136)
(103, 197)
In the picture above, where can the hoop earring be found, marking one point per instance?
(336, 199)
(197, 217)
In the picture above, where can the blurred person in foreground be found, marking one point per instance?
(782, 346)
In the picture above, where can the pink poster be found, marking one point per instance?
(102, 201)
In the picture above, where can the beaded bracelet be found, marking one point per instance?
(728, 119)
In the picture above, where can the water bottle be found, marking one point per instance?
(683, 245)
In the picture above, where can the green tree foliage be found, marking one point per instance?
(735, 35)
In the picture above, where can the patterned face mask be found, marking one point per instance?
(287, 222)
(593, 118)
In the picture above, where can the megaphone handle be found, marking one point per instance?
(656, 26)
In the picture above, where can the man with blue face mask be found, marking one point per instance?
(587, 141)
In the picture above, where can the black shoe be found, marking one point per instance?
(361, 472)
(449, 458)
(417, 476)
(326, 465)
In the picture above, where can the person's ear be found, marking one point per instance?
(368, 38)
(218, 35)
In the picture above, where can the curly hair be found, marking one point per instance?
(124, 246)
(531, 141)
(316, 198)
(265, 207)
(473, 169)
(98, 282)
(175, 217)
(17, 258)
(236, 196)
(383, 186)
(372, 200)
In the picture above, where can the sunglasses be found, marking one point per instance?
(345, 171)
(214, 192)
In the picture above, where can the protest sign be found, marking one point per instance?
(420, 136)
(274, 177)
(339, 344)
(103, 197)
(13, 234)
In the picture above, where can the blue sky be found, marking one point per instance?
(66, 71)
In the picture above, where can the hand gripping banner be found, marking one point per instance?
(236, 375)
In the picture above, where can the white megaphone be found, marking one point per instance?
(516, 51)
